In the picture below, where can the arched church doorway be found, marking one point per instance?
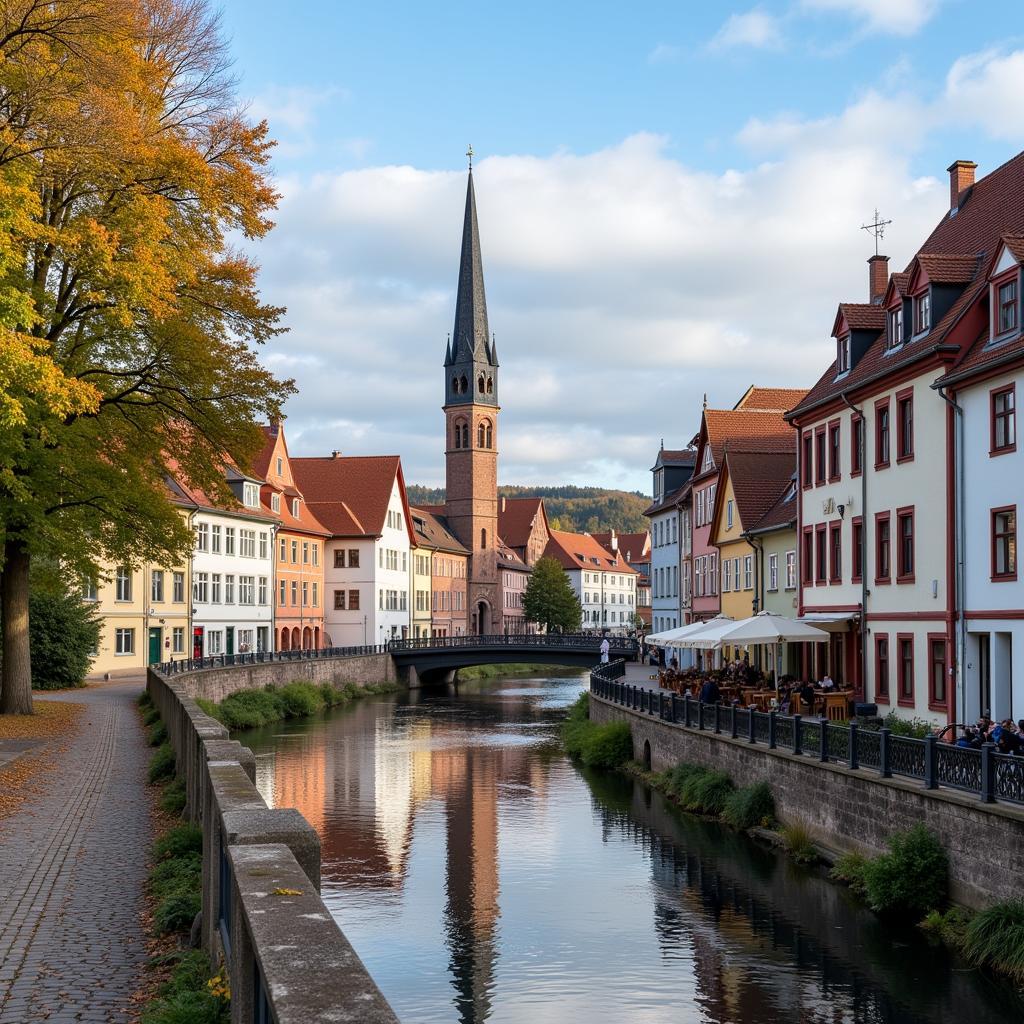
(483, 618)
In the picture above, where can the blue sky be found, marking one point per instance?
(669, 194)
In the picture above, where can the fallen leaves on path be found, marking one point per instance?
(51, 718)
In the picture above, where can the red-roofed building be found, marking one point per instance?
(604, 581)
(299, 547)
(361, 500)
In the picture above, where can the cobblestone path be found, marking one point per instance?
(72, 867)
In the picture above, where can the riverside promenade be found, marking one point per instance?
(73, 862)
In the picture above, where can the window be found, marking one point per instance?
(483, 540)
(856, 445)
(923, 313)
(305, 552)
(806, 471)
(295, 508)
(202, 537)
(305, 594)
(1004, 420)
(178, 640)
(882, 668)
(843, 354)
(250, 495)
(89, 590)
(275, 503)
(339, 600)
(201, 587)
(895, 338)
(282, 593)
(247, 543)
(124, 641)
(353, 600)
(857, 553)
(316, 552)
(123, 584)
(726, 575)
(773, 572)
(904, 426)
(215, 588)
(264, 544)
(339, 556)
(819, 456)
(262, 593)
(229, 589)
(1004, 543)
(214, 641)
(807, 557)
(246, 589)
(905, 645)
(179, 588)
(821, 552)
(834, 434)
(295, 552)
(835, 552)
(728, 514)
(882, 547)
(882, 434)
(215, 539)
(353, 558)
(156, 587)
(280, 466)
(936, 671)
(790, 570)
(1007, 306)
(229, 540)
(295, 593)
(748, 572)
(905, 533)
(707, 462)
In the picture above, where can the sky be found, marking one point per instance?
(670, 198)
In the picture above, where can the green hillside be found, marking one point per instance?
(593, 509)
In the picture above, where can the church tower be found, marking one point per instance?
(471, 421)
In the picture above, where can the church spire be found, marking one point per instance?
(470, 336)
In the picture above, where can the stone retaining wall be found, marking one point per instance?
(850, 811)
(287, 959)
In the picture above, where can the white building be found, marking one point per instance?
(232, 570)
(671, 473)
(603, 581)
(367, 575)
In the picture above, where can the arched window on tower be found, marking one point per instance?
(460, 434)
(465, 435)
(488, 442)
(463, 384)
(480, 383)
(490, 385)
(480, 436)
(455, 385)
(483, 540)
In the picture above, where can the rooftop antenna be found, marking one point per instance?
(877, 228)
(469, 154)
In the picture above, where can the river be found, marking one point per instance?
(481, 876)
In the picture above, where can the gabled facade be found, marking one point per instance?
(670, 474)
(445, 564)
(523, 527)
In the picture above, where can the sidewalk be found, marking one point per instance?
(72, 868)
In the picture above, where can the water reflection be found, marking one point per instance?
(482, 878)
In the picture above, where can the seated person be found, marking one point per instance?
(969, 738)
(826, 682)
(807, 695)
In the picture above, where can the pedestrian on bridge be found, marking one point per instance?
(605, 648)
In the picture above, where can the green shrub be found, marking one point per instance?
(144, 700)
(177, 910)
(162, 764)
(995, 939)
(187, 1007)
(208, 707)
(749, 806)
(150, 716)
(849, 869)
(191, 972)
(949, 927)
(157, 734)
(706, 791)
(250, 709)
(608, 746)
(63, 632)
(172, 799)
(178, 841)
(350, 691)
(175, 873)
(799, 844)
(912, 878)
(675, 778)
(915, 727)
(300, 700)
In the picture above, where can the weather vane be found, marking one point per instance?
(877, 228)
(469, 153)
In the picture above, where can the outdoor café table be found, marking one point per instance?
(837, 705)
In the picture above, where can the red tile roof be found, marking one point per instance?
(758, 481)
(948, 268)
(350, 494)
(1015, 243)
(731, 426)
(632, 546)
(781, 515)
(516, 518)
(185, 493)
(988, 210)
(581, 551)
(770, 399)
(862, 316)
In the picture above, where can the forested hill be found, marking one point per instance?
(593, 509)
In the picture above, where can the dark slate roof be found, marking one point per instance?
(668, 501)
(432, 531)
(470, 336)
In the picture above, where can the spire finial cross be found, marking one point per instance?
(877, 228)
(469, 154)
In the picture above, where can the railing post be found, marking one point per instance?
(673, 706)
(752, 726)
(700, 714)
(988, 773)
(687, 712)
(718, 720)
(884, 767)
(798, 735)
(771, 730)
(931, 780)
(732, 721)
(854, 758)
(823, 747)
(661, 704)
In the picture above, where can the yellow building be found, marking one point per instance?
(750, 485)
(144, 617)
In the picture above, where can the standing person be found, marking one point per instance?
(605, 647)
(709, 692)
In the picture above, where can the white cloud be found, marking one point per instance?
(891, 17)
(986, 88)
(291, 113)
(756, 29)
(664, 53)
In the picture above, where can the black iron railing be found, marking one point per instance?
(986, 773)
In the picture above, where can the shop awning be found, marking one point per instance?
(832, 622)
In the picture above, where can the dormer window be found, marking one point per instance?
(1006, 306)
(843, 354)
(923, 313)
(280, 466)
(895, 336)
(251, 496)
(707, 463)
(295, 508)
(275, 502)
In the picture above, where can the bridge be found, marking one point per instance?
(434, 659)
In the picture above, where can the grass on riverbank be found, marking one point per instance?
(187, 994)
(515, 669)
(597, 746)
(250, 709)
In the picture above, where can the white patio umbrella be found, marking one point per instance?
(768, 628)
(709, 636)
(670, 637)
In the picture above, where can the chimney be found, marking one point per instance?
(335, 454)
(503, 501)
(615, 542)
(961, 178)
(878, 278)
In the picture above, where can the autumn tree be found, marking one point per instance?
(129, 318)
(549, 599)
